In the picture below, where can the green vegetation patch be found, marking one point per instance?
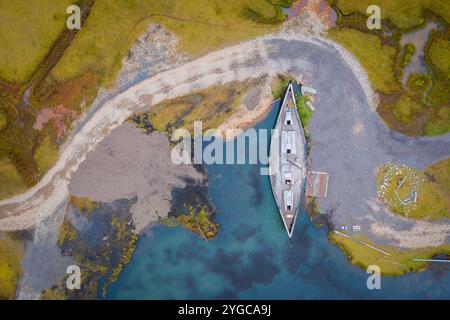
(397, 263)
(421, 106)
(414, 193)
(376, 58)
(419, 84)
(437, 52)
(440, 174)
(101, 45)
(279, 85)
(212, 106)
(404, 14)
(198, 220)
(10, 180)
(11, 255)
(2, 120)
(439, 56)
(260, 16)
(28, 29)
(304, 112)
(46, 154)
(440, 123)
(408, 53)
(405, 107)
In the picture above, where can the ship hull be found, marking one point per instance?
(287, 161)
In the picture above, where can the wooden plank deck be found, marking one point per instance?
(317, 184)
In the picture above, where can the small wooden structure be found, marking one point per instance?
(317, 184)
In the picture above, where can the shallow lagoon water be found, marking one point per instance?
(252, 257)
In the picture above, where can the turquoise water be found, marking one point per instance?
(252, 257)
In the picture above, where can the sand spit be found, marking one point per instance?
(129, 163)
(253, 106)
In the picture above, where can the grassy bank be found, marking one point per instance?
(422, 106)
(212, 106)
(431, 186)
(11, 255)
(376, 58)
(27, 32)
(397, 263)
(403, 14)
(200, 25)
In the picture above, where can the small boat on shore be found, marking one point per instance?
(287, 160)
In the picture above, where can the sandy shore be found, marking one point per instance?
(253, 107)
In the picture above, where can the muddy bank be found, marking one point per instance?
(130, 164)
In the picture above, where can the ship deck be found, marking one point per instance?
(288, 161)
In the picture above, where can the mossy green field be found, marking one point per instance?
(422, 105)
(397, 263)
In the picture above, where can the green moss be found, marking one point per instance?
(439, 94)
(440, 123)
(46, 154)
(419, 84)
(440, 174)
(439, 56)
(433, 201)
(3, 120)
(10, 180)
(405, 107)
(402, 13)
(277, 17)
(11, 255)
(27, 32)
(279, 85)
(198, 220)
(304, 112)
(376, 57)
(408, 52)
(213, 106)
(397, 263)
